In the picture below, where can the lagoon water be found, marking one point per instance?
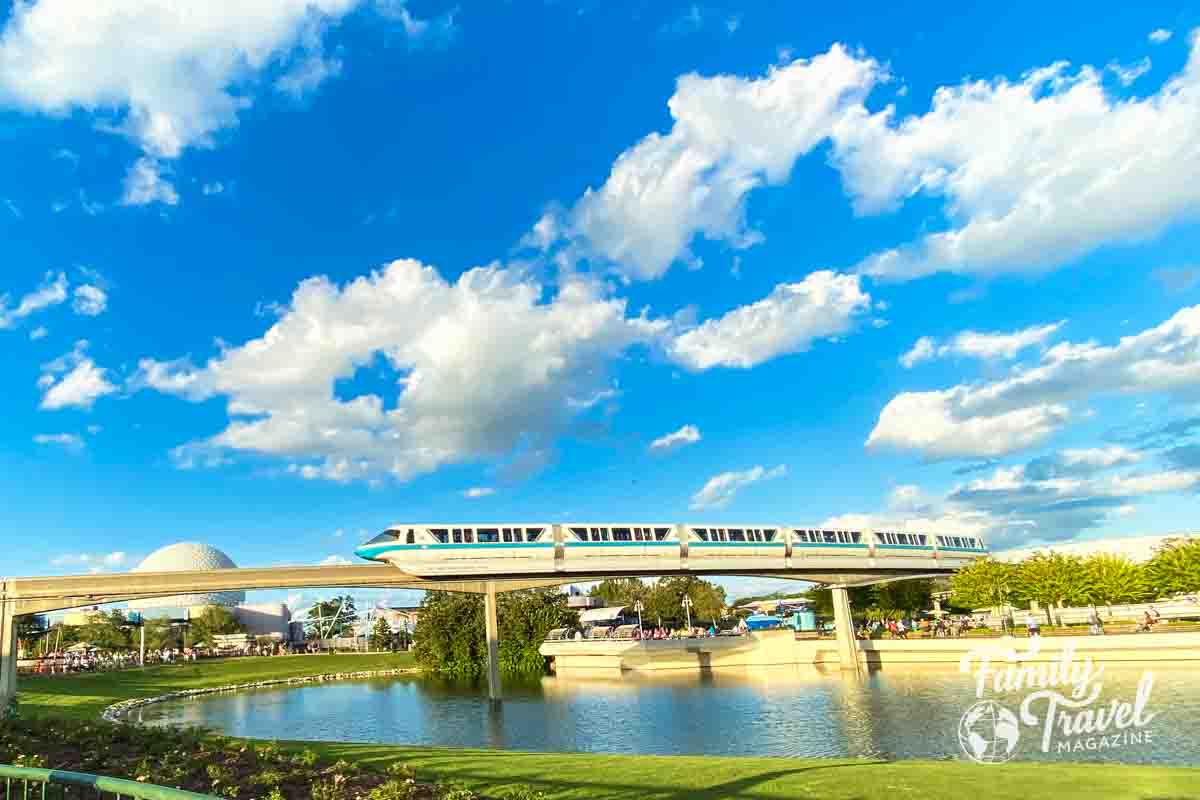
(899, 713)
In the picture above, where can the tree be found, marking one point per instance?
(162, 634)
(381, 635)
(1049, 578)
(450, 636)
(619, 591)
(1114, 579)
(822, 597)
(1174, 567)
(332, 618)
(212, 622)
(664, 600)
(107, 631)
(905, 597)
(30, 628)
(985, 583)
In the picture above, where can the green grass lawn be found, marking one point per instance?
(85, 696)
(575, 776)
(621, 777)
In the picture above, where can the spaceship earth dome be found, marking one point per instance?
(187, 556)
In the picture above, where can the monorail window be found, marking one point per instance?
(440, 534)
(942, 540)
(411, 538)
(661, 534)
(829, 536)
(622, 535)
(769, 535)
(468, 536)
(386, 536)
(489, 535)
(507, 534)
(531, 534)
(737, 535)
(701, 532)
(580, 534)
(887, 538)
(458, 535)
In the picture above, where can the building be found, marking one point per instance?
(179, 557)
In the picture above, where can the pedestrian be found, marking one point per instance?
(1032, 625)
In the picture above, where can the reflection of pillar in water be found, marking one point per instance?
(857, 720)
(495, 726)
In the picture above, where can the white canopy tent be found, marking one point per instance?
(594, 615)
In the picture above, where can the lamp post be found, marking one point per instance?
(687, 609)
(638, 607)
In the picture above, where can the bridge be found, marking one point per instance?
(38, 595)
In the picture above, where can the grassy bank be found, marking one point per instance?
(85, 696)
(575, 776)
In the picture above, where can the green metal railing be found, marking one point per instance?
(27, 783)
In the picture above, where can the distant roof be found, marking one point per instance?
(605, 614)
(1135, 548)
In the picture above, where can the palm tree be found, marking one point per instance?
(1114, 579)
(1175, 567)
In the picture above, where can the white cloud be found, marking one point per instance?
(52, 292)
(1128, 74)
(476, 492)
(90, 301)
(1033, 173)
(788, 320)
(923, 349)
(688, 434)
(491, 330)
(306, 75)
(333, 561)
(40, 332)
(973, 344)
(216, 187)
(730, 136)
(990, 419)
(93, 560)
(57, 56)
(69, 441)
(1159, 35)
(721, 489)
(144, 184)
(73, 380)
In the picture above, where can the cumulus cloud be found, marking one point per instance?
(52, 292)
(688, 434)
(730, 135)
(95, 562)
(1021, 410)
(40, 332)
(90, 301)
(483, 368)
(68, 441)
(1159, 35)
(1033, 172)
(1051, 498)
(476, 492)
(73, 380)
(334, 561)
(145, 184)
(973, 344)
(823, 305)
(720, 489)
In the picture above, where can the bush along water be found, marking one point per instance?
(195, 760)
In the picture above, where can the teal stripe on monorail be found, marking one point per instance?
(860, 545)
(906, 546)
(367, 552)
(736, 544)
(622, 544)
(962, 549)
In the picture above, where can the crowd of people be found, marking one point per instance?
(95, 660)
(947, 626)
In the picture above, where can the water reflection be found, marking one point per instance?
(909, 713)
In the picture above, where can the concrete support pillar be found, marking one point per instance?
(843, 623)
(493, 643)
(8, 654)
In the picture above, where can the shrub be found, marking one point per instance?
(455, 791)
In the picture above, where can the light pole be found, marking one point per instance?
(687, 609)
(638, 607)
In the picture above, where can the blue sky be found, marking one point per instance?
(279, 276)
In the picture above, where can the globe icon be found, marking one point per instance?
(988, 732)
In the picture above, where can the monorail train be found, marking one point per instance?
(655, 547)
